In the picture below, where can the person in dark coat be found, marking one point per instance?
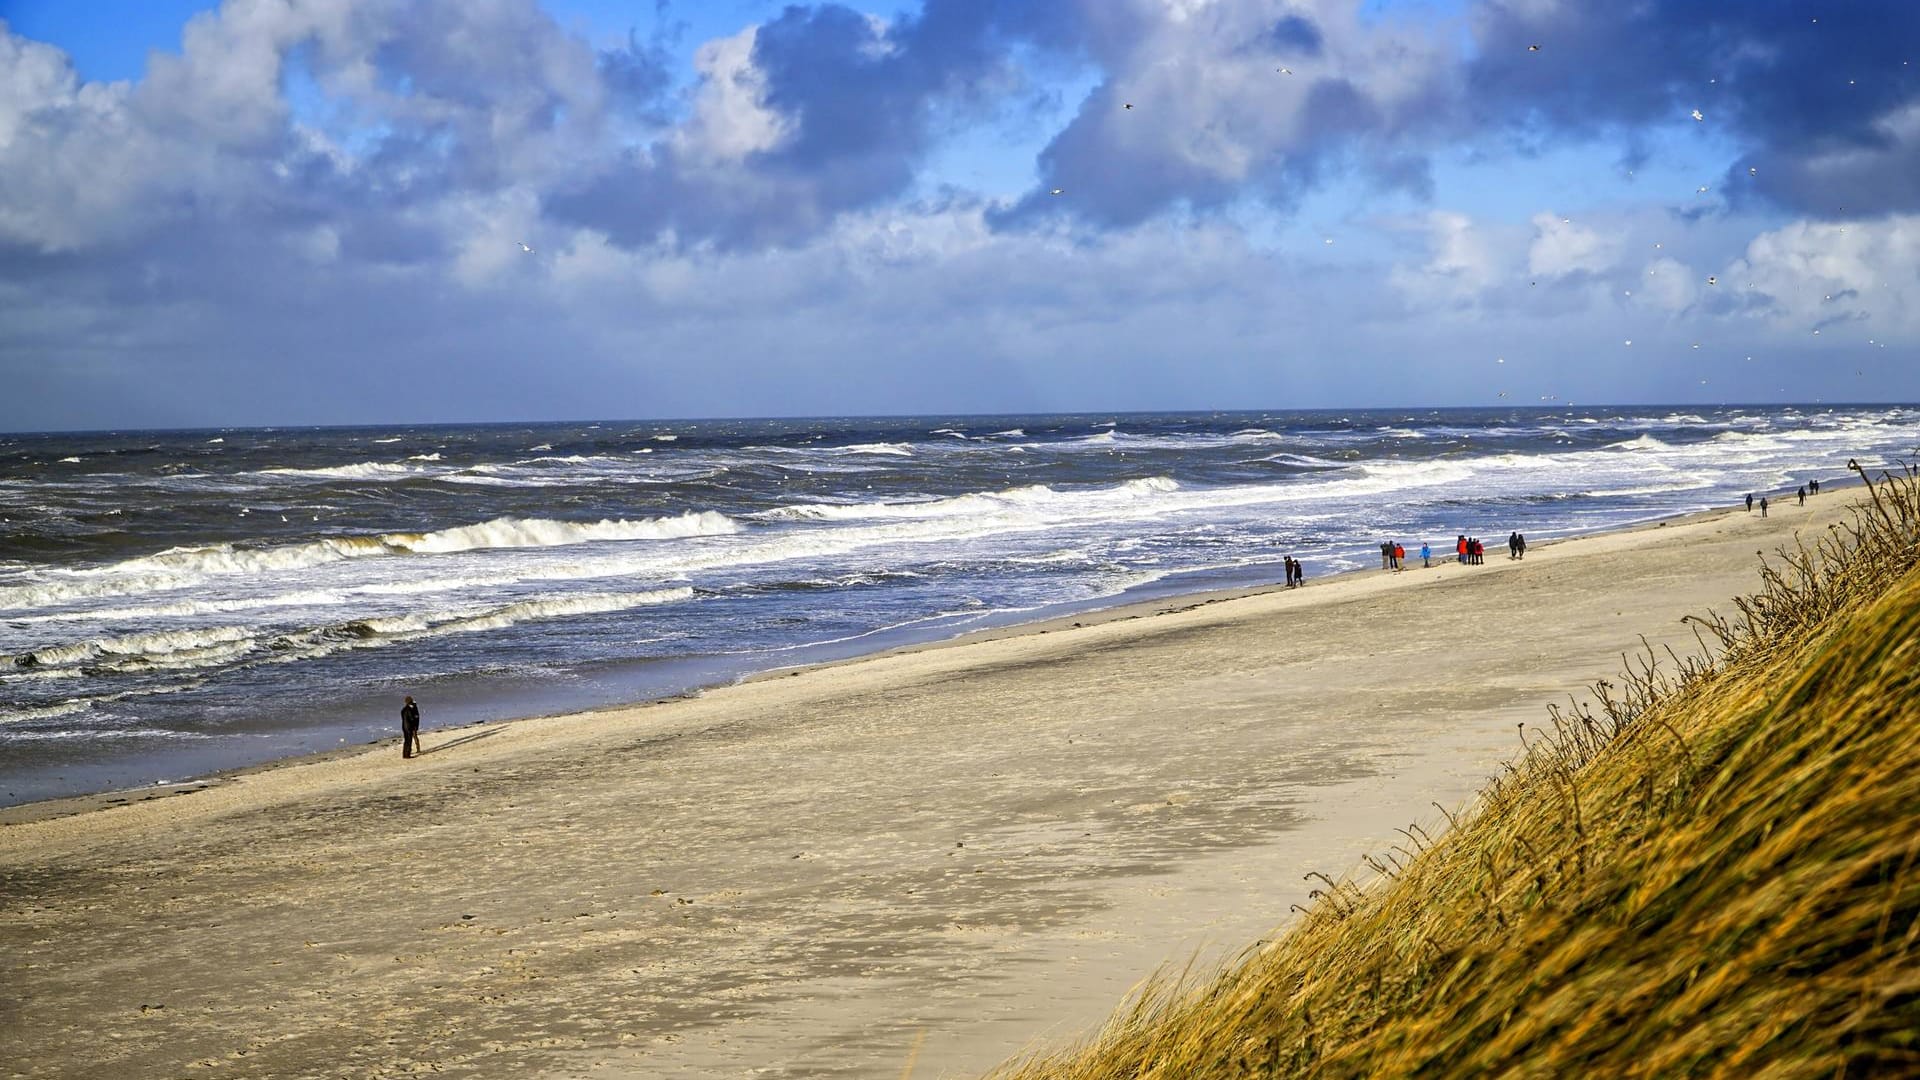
(1749, 502)
(409, 728)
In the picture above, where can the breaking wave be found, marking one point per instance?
(184, 565)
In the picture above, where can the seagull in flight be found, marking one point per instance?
(1713, 280)
(1129, 104)
(1057, 191)
(1533, 48)
(524, 248)
(1284, 70)
(1697, 116)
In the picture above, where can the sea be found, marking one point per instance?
(174, 603)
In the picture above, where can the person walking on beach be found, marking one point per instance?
(1399, 554)
(1763, 506)
(1299, 573)
(1749, 502)
(1803, 494)
(409, 728)
(1289, 562)
(1426, 555)
(1513, 545)
(1521, 540)
(1815, 485)
(1386, 555)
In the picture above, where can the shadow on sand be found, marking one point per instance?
(462, 740)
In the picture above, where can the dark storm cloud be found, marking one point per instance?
(1825, 99)
(1230, 102)
(859, 100)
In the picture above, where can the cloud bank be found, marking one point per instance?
(314, 211)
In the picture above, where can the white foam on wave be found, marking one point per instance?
(662, 438)
(1032, 497)
(181, 566)
(435, 456)
(1010, 433)
(69, 461)
(888, 449)
(389, 630)
(153, 644)
(1643, 442)
(365, 470)
(535, 532)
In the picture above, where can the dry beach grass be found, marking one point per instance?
(947, 853)
(1707, 868)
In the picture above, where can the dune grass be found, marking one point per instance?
(1709, 867)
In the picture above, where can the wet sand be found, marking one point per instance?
(936, 858)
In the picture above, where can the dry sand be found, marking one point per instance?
(938, 857)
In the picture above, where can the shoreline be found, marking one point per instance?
(1127, 610)
(964, 850)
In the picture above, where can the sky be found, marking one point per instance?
(276, 212)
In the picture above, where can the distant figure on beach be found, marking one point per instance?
(1814, 485)
(1289, 563)
(1460, 549)
(1803, 495)
(1297, 573)
(1426, 554)
(1749, 502)
(1386, 555)
(1763, 506)
(1520, 541)
(409, 728)
(1476, 550)
(1399, 553)
(1513, 545)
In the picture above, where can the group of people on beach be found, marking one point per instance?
(1296, 572)
(1811, 487)
(1467, 550)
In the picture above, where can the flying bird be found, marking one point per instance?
(1057, 191)
(524, 248)
(1702, 189)
(1284, 70)
(1751, 171)
(1533, 48)
(1713, 280)
(1697, 116)
(1129, 104)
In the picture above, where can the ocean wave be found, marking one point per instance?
(536, 532)
(151, 645)
(435, 456)
(43, 712)
(397, 629)
(185, 565)
(890, 449)
(1643, 442)
(1036, 496)
(365, 470)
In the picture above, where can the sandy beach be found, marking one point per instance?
(931, 859)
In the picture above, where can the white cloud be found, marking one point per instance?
(1809, 274)
(730, 117)
(1561, 247)
(1463, 261)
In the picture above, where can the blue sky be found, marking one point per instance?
(297, 211)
